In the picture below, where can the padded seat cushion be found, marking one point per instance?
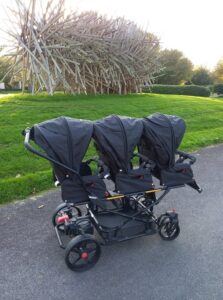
(180, 174)
(137, 180)
(74, 191)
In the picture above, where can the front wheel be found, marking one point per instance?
(169, 230)
(82, 253)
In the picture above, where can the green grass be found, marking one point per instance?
(22, 173)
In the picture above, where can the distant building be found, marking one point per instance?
(2, 86)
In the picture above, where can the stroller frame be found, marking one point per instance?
(92, 216)
(142, 215)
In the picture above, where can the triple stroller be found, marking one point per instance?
(110, 198)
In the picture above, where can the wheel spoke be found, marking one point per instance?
(90, 250)
(89, 245)
(76, 260)
(76, 250)
(171, 229)
(84, 245)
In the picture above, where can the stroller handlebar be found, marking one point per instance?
(29, 147)
(184, 155)
(26, 133)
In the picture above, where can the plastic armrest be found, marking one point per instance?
(184, 155)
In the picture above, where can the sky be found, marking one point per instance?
(194, 27)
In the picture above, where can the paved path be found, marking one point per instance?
(191, 267)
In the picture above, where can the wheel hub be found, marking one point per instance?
(84, 255)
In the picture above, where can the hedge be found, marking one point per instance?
(218, 88)
(192, 90)
(20, 188)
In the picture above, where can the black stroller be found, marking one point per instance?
(115, 198)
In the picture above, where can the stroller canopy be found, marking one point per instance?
(162, 136)
(64, 139)
(116, 137)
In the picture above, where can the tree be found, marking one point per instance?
(202, 76)
(80, 52)
(218, 72)
(176, 67)
(5, 63)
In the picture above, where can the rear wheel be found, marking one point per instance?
(82, 253)
(169, 230)
(70, 209)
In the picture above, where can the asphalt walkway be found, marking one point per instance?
(191, 267)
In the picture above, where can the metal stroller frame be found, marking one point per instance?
(135, 210)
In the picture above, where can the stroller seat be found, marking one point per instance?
(116, 138)
(179, 174)
(136, 180)
(59, 138)
(162, 135)
(77, 191)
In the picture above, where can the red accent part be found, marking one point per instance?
(62, 219)
(172, 210)
(84, 255)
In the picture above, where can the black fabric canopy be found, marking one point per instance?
(116, 137)
(64, 139)
(161, 137)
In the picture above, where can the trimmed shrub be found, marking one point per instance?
(191, 90)
(202, 76)
(218, 88)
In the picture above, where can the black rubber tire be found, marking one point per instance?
(168, 230)
(77, 246)
(60, 209)
(160, 219)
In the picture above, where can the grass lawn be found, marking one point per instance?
(22, 173)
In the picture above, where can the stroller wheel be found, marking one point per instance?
(82, 253)
(169, 230)
(62, 209)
